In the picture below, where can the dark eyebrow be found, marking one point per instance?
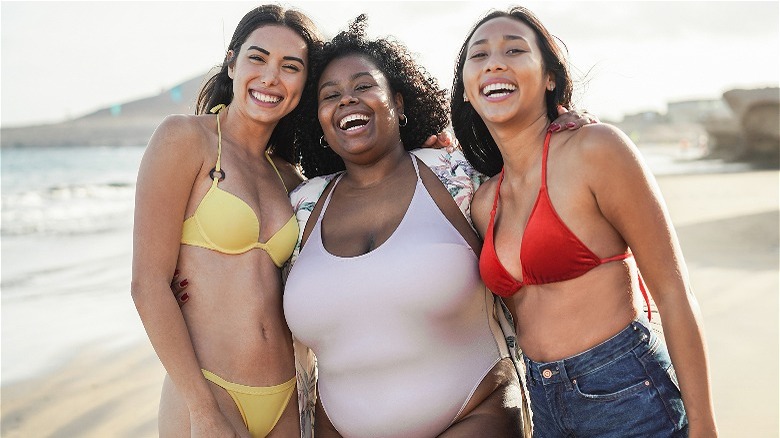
(259, 49)
(288, 58)
(294, 58)
(351, 78)
(506, 38)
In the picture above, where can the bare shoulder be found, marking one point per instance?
(602, 147)
(181, 143)
(184, 134)
(602, 138)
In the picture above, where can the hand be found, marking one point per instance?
(442, 140)
(572, 120)
(178, 286)
(213, 426)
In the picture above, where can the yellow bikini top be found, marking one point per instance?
(223, 222)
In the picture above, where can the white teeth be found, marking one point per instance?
(500, 86)
(343, 122)
(265, 97)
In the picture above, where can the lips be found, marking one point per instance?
(353, 121)
(265, 97)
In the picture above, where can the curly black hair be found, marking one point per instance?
(478, 145)
(425, 103)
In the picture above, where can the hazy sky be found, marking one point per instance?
(65, 59)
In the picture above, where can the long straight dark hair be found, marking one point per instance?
(478, 145)
(219, 88)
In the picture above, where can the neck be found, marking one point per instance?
(244, 132)
(520, 143)
(366, 175)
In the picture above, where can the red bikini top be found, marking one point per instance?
(549, 250)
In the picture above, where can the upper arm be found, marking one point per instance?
(169, 167)
(630, 199)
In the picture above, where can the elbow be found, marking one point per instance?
(139, 290)
(136, 290)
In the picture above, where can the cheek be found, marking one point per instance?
(323, 115)
(469, 76)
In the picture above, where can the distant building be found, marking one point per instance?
(644, 117)
(697, 111)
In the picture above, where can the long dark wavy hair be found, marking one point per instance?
(425, 104)
(219, 88)
(478, 145)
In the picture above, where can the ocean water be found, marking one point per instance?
(65, 254)
(61, 191)
(66, 245)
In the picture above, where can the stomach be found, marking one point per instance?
(559, 320)
(234, 316)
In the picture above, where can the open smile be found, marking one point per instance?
(353, 122)
(498, 90)
(265, 97)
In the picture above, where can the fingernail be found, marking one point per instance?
(184, 297)
(183, 283)
(555, 127)
(176, 272)
(571, 125)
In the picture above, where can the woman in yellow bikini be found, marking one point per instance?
(212, 198)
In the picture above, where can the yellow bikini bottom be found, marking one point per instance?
(260, 406)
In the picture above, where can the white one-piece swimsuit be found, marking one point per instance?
(404, 334)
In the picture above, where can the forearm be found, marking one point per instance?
(685, 340)
(167, 331)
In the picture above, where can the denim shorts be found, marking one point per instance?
(623, 387)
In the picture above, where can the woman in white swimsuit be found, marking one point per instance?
(386, 290)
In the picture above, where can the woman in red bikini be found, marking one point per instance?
(569, 219)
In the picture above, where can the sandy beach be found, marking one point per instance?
(728, 227)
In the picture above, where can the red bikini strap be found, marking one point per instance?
(495, 199)
(544, 157)
(642, 285)
(643, 288)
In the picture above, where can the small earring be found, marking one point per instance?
(550, 87)
(403, 120)
(465, 98)
(323, 142)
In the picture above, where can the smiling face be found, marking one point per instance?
(358, 110)
(269, 73)
(503, 74)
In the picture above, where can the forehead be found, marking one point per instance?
(275, 37)
(501, 26)
(345, 67)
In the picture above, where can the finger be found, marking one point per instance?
(561, 110)
(179, 291)
(445, 138)
(431, 140)
(182, 297)
(179, 286)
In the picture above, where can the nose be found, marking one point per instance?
(347, 99)
(495, 63)
(270, 76)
